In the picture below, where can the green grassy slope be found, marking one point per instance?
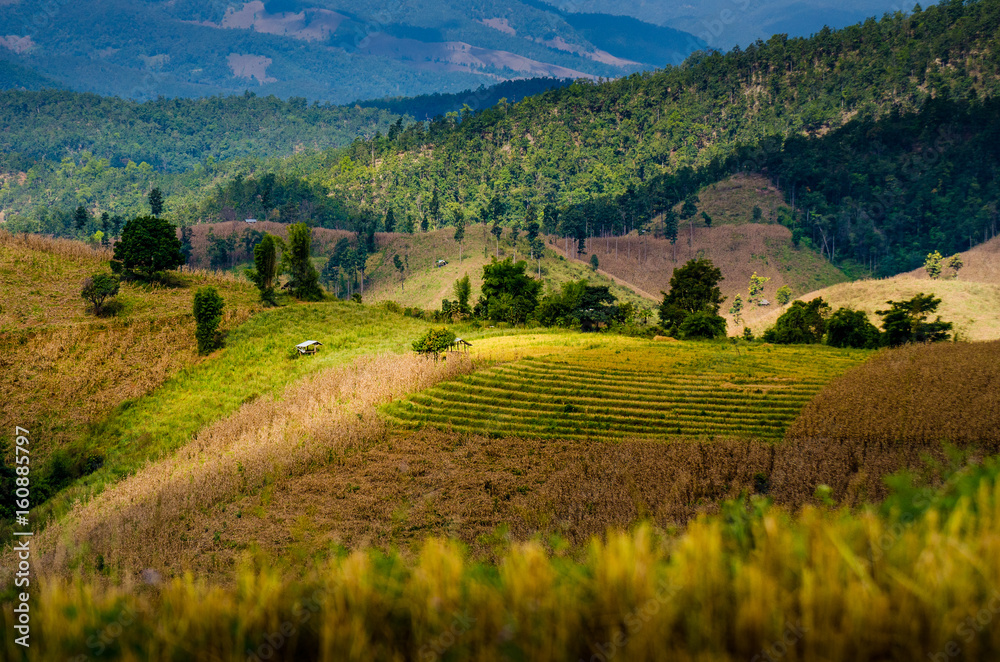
(425, 284)
(258, 360)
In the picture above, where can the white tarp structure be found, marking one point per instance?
(308, 346)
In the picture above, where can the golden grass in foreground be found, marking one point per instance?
(921, 394)
(747, 586)
(144, 520)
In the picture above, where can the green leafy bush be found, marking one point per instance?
(802, 324)
(207, 315)
(434, 341)
(851, 328)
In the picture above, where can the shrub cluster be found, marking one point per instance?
(903, 323)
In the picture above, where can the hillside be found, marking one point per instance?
(321, 50)
(724, 24)
(921, 395)
(424, 283)
(971, 301)
(794, 110)
(638, 268)
(909, 150)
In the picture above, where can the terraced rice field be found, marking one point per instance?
(634, 391)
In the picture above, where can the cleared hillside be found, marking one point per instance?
(423, 284)
(739, 251)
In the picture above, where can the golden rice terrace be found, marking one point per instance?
(624, 389)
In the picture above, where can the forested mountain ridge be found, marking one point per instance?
(60, 149)
(870, 102)
(172, 135)
(724, 24)
(715, 114)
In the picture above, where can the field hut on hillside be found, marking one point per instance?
(460, 345)
(308, 347)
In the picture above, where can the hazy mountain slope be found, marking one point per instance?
(724, 24)
(13, 76)
(321, 49)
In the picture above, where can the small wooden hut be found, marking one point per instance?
(308, 346)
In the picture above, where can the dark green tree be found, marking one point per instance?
(531, 231)
(670, 230)
(207, 316)
(694, 288)
(156, 202)
(390, 221)
(702, 325)
(550, 218)
(265, 271)
(802, 324)
(690, 207)
(508, 293)
(296, 259)
(434, 208)
(80, 218)
(459, 217)
(537, 248)
(851, 328)
(907, 321)
(497, 232)
(401, 268)
(434, 342)
(221, 250)
(579, 304)
(186, 248)
(148, 246)
(99, 288)
(463, 290)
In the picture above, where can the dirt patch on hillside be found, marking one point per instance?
(647, 263)
(13, 42)
(251, 66)
(560, 44)
(308, 25)
(460, 56)
(501, 24)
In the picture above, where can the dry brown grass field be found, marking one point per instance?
(64, 367)
(296, 475)
(916, 395)
(982, 264)
(153, 518)
(971, 300)
(731, 201)
(973, 307)
(394, 492)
